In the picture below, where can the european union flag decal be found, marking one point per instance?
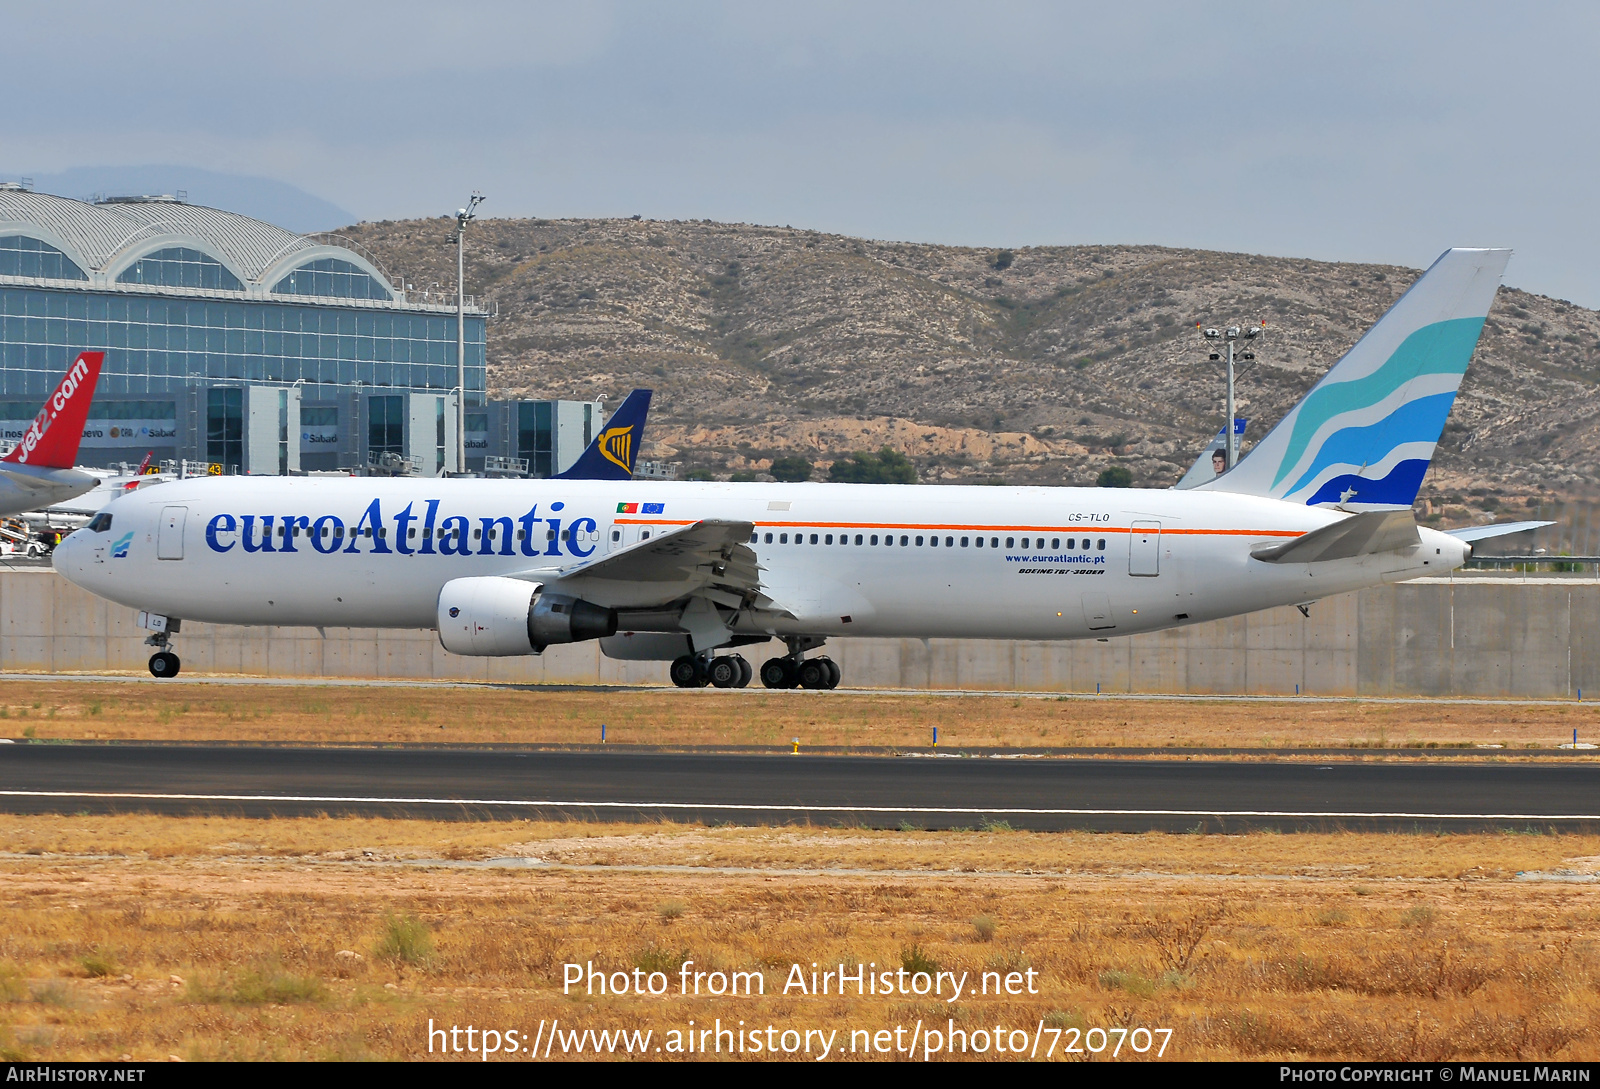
(653, 508)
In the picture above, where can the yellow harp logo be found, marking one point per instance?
(616, 445)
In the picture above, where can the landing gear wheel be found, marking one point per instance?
(835, 674)
(724, 672)
(686, 672)
(778, 673)
(747, 672)
(164, 664)
(814, 673)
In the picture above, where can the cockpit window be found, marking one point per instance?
(100, 523)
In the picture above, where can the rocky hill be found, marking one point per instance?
(1044, 365)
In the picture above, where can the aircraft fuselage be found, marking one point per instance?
(837, 559)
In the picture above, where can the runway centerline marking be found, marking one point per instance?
(797, 808)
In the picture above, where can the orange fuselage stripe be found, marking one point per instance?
(897, 527)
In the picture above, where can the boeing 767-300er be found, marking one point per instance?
(38, 471)
(678, 571)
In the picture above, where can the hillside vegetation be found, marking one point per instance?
(1045, 365)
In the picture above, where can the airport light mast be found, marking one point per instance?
(1231, 334)
(459, 235)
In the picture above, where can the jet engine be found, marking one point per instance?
(494, 616)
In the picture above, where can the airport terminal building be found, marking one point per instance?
(232, 342)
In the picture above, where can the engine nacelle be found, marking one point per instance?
(493, 616)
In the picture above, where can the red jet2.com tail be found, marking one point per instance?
(52, 439)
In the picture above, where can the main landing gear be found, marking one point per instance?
(724, 671)
(794, 670)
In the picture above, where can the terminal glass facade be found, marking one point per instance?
(24, 256)
(159, 345)
(180, 267)
(386, 427)
(331, 278)
(225, 427)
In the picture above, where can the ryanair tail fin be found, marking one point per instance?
(51, 441)
(612, 454)
(1363, 438)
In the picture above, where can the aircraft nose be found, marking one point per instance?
(67, 557)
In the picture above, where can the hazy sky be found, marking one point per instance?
(1362, 132)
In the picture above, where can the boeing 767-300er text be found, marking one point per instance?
(678, 571)
(38, 471)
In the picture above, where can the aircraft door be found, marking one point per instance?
(1144, 549)
(169, 539)
(613, 537)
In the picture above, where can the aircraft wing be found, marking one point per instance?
(710, 558)
(1358, 535)
(49, 480)
(1483, 533)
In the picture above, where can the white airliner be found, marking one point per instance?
(38, 471)
(680, 571)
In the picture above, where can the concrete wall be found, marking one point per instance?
(1472, 636)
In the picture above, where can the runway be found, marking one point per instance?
(1038, 794)
(534, 688)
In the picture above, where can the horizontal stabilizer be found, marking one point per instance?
(1483, 533)
(1358, 535)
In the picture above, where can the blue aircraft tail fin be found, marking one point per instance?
(612, 454)
(1364, 436)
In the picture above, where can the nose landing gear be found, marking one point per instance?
(163, 663)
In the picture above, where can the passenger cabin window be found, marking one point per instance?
(769, 538)
(858, 538)
(813, 538)
(874, 538)
(1102, 544)
(100, 523)
(919, 541)
(1010, 545)
(1055, 542)
(963, 542)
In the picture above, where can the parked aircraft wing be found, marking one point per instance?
(47, 483)
(1358, 535)
(1483, 533)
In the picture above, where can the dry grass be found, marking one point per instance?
(229, 938)
(174, 710)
